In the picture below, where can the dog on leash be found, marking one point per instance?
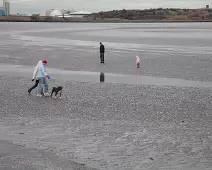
(57, 90)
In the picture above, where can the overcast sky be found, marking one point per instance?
(40, 6)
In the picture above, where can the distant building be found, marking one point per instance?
(207, 7)
(18, 14)
(54, 12)
(6, 6)
(2, 12)
(66, 13)
(79, 14)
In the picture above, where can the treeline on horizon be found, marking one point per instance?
(156, 14)
(147, 15)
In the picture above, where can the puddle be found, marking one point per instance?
(81, 76)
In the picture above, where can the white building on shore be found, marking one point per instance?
(66, 13)
(6, 7)
(54, 12)
(79, 14)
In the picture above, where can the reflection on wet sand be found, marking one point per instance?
(83, 76)
(102, 77)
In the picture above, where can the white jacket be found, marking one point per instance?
(35, 73)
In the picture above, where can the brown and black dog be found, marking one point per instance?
(56, 90)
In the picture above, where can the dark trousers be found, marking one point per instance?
(102, 57)
(33, 87)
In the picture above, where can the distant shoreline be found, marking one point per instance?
(1, 21)
(86, 20)
(160, 15)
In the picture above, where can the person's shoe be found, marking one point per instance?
(29, 92)
(46, 94)
(39, 95)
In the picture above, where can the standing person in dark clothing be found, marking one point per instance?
(102, 53)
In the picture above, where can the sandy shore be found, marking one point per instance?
(116, 126)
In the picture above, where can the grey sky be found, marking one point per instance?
(40, 6)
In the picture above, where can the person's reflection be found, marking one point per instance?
(137, 79)
(102, 77)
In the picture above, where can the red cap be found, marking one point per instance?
(45, 62)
